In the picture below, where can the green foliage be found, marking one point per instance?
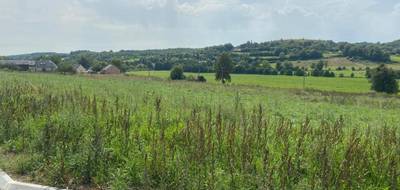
(177, 73)
(365, 51)
(65, 68)
(214, 137)
(85, 62)
(223, 68)
(384, 80)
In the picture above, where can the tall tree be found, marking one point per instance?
(223, 68)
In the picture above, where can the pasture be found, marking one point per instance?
(395, 58)
(354, 85)
(120, 132)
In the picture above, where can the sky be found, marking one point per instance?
(102, 25)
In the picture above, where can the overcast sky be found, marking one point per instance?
(66, 25)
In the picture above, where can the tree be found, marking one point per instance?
(85, 62)
(65, 68)
(56, 59)
(384, 80)
(223, 68)
(177, 73)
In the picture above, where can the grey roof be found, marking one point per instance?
(108, 67)
(18, 62)
(37, 64)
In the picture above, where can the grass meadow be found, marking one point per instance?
(354, 85)
(136, 132)
(395, 58)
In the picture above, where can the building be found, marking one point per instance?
(79, 69)
(45, 66)
(28, 65)
(23, 65)
(110, 69)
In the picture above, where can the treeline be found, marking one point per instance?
(289, 49)
(248, 57)
(364, 51)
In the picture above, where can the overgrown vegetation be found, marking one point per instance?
(125, 138)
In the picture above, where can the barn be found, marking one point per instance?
(110, 70)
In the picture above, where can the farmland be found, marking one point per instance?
(354, 85)
(395, 58)
(137, 132)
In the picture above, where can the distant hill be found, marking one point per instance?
(34, 56)
(393, 47)
(249, 57)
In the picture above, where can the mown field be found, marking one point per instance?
(119, 132)
(354, 85)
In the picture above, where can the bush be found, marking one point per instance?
(352, 75)
(384, 80)
(201, 78)
(190, 78)
(341, 75)
(300, 72)
(177, 73)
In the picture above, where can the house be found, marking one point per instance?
(110, 69)
(45, 66)
(28, 65)
(23, 65)
(79, 69)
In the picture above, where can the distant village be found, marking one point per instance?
(50, 66)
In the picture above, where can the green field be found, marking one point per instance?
(120, 132)
(355, 85)
(395, 58)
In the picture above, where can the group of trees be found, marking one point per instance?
(177, 73)
(364, 51)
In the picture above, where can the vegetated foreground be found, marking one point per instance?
(132, 133)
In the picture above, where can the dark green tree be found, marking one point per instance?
(384, 80)
(65, 68)
(223, 68)
(85, 62)
(177, 73)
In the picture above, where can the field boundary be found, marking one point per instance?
(6, 183)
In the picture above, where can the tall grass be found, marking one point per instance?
(75, 138)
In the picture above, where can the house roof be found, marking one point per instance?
(76, 66)
(18, 62)
(46, 63)
(109, 67)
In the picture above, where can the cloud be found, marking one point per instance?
(65, 25)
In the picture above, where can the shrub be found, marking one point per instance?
(190, 78)
(352, 75)
(384, 80)
(341, 75)
(201, 78)
(177, 73)
(300, 72)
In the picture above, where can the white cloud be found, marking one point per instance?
(65, 25)
(202, 6)
(397, 9)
